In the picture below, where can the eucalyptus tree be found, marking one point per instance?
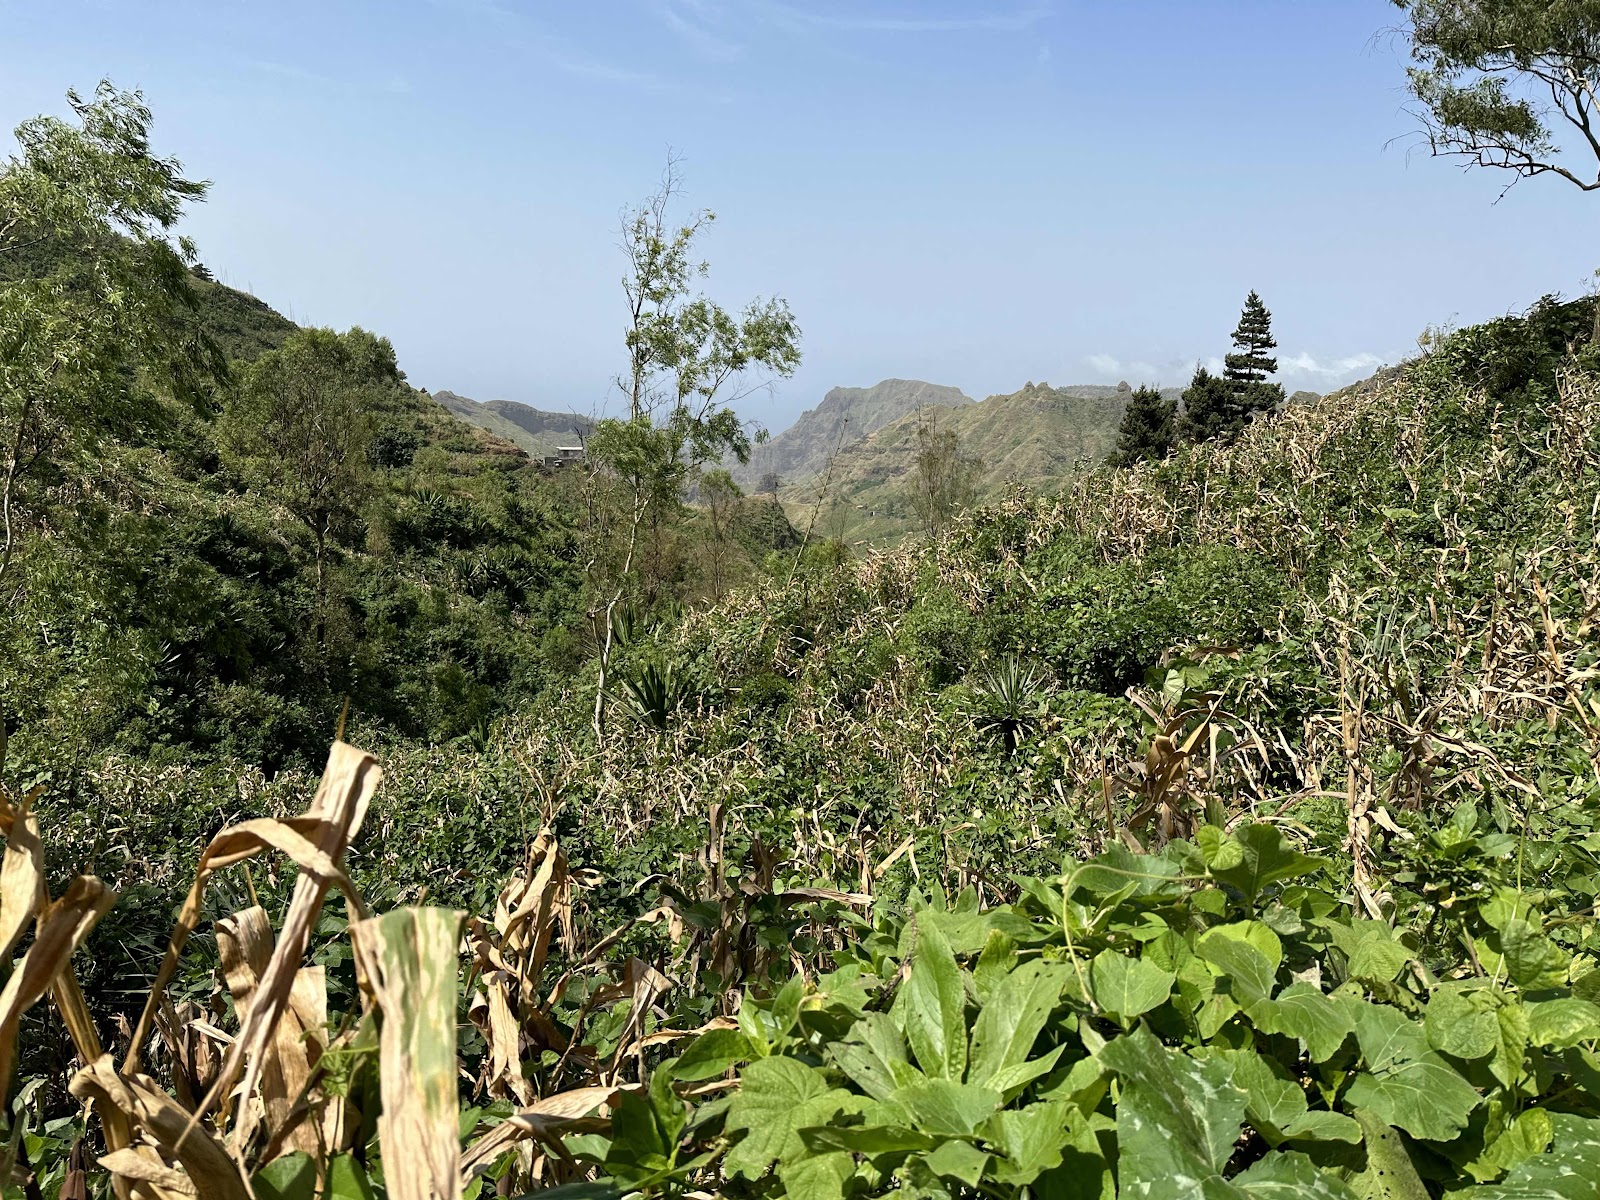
(300, 425)
(97, 326)
(1509, 84)
(688, 361)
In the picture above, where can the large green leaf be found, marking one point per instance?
(712, 1053)
(960, 1161)
(1390, 1174)
(1532, 961)
(932, 1003)
(1290, 1176)
(1263, 859)
(1425, 1096)
(1388, 1037)
(1032, 1138)
(1177, 1120)
(1254, 933)
(941, 1106)
(870, 1139)
(1570, 1171)
(1562, 1023)
(1461, 1020)
(1378, 958)
(1509, 1062)
(1128, 987)
(1249, 972)
(820, 1177)
(1303, 1012)
(1010, 1022)
(777, 1098)
(288, 1177)
(874, 1055)
(1525, 1136)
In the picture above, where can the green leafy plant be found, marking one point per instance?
(1008, 699)
(657, 690)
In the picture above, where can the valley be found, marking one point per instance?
(1184, 788)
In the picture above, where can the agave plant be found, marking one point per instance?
(656, 691)
(1009, 699)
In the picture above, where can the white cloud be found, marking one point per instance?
(1137, 371)
(555, 51)
(1340, 370)
(883, 22)
(691, 21)
(1302, 369)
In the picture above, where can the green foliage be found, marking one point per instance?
(1251, 363)
(1508, 83)
(1210, 409)
(95, 300)
(945, 474)
(1153, 1025)
(684, 351)
(1008, 700)
(656, 691)
(1149, 428)
(300, 426)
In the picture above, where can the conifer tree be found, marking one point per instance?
(1209, 409)
(1251, 363)
(1149, 428)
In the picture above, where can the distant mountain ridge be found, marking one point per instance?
(846, 416)
(534, 430)
(1033, 436)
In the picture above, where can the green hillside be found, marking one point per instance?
(164, 596)
(1037, 437)
(1259, 774)
(1218, 819)
(845, 416)
(537, 432)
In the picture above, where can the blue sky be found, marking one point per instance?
(974, 193)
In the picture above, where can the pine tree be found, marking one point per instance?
(1149, 428)
(1251, 362)
(1210, 409)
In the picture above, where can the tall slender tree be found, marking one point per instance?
(946, 475)
(689, 359)
(1149, 428)
(1249, 367)
(300, 426)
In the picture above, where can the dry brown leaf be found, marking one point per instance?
(215, 1174)
(347, 786)
(544, 1121)
(21, 877)
(409, 957)
(61, 928)
(143, 1166)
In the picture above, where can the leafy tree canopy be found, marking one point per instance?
(1149, 428)
(96, 309)
(1509, 83)
(1210, 409)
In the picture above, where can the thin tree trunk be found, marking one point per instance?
(322, 586)
(610, 629)
(8, 495)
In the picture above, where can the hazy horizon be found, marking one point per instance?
(973, 194)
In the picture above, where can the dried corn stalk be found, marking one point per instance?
(409, 957)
